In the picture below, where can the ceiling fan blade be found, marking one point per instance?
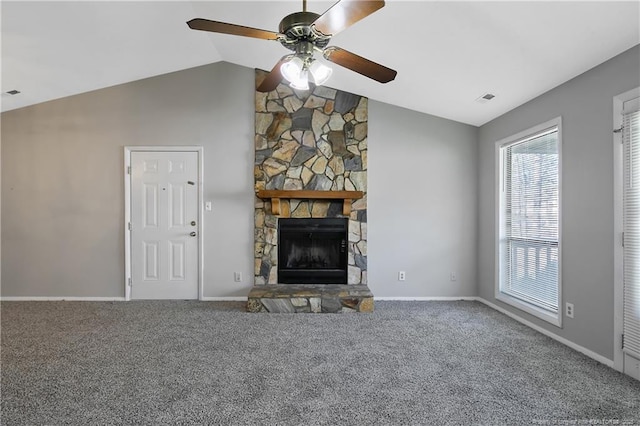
(224, 28)
(359, 64)
(272, 79)
(345, 13)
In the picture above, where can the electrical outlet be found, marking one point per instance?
(401, 276)
(237, 276)
(453, 276)
(569, 310)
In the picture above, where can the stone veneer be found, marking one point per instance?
(309, 140)
(315, 298)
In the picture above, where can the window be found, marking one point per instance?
(528, 247)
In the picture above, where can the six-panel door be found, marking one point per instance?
(164, 229)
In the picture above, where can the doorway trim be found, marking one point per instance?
(618, 214)
(127, 209)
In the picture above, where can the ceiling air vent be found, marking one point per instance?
(485, 98)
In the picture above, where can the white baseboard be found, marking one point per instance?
(606, 361)
(224, 299)
(60, 299)
(425, 299)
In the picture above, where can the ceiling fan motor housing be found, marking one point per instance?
(297, 28)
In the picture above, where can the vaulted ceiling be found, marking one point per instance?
(447, 53)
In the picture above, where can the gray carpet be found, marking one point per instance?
(178, 362)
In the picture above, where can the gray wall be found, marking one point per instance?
(585, 104)
(63, 187)
(422, 204)
(63, 182)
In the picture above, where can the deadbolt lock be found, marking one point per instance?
(193, 223)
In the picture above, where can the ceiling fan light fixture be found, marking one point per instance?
(298, 71)
(320, 72)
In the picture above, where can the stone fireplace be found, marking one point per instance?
(310, 163)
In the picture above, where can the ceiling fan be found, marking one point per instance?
(306, 33)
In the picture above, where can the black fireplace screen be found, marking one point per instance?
(312, 251)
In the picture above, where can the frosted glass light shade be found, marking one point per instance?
(302, 83)
(292, 69)
(320, 72)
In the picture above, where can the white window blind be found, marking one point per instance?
(631, 139)
(530, 220)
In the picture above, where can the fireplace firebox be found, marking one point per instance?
(312, 251)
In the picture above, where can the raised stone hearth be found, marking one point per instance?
(310, 298)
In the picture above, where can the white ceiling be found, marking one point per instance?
(447, 53)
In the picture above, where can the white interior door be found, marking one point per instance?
(164, 227)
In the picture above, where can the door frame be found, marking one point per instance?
(618, 208)
(127, 209)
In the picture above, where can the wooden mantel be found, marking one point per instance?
(276, 194)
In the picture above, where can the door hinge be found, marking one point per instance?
(129, 226)
(129, 281)
(128, 170)
(622, 342)
(623, 239)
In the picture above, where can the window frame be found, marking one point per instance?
(530, 308)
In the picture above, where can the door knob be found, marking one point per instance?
(193, 233)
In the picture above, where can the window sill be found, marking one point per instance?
(555, 319)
